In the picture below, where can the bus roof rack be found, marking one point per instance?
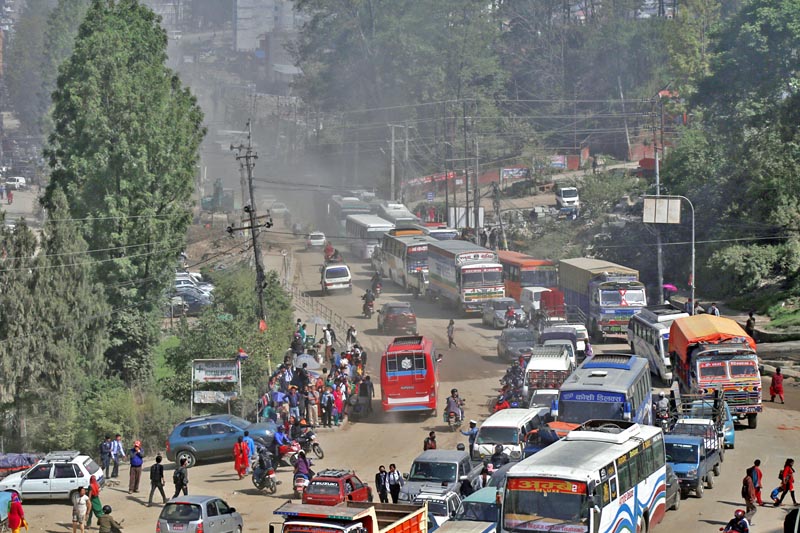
(610, 360)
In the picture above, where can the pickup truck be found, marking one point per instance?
(353, 517)
(713, 436)
(693, 463)
(443, 469)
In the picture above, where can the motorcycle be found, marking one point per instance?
(300, 484)
(368, 309)
(287, 453)
(308, 442)
(377, 288)
(264, 473)
(453, 421)
(664, 419)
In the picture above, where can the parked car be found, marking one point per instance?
(515, 342)
(332, 487)
(673, 490)
(494, 311)
(397, 317)
(315, 239)
(212, 437)
(442, 503)
(56, 477)
(278, 208)
(189, 303)
(198, 514)
(567, 197)
(16, 183)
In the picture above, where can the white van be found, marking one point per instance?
(581, 335)
(507, 428)
(547, 368)
(336, 277)
(530, 299)
(567, 197)
(16, 183)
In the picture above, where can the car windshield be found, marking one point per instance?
(497, 435)
(681, 453)
(503, 305)
(397, 309)
(477, 511)
(615, 297)
(436, 507)
(317, 236)
(425, 471)
(543, 398)
(181, 512)
(520, 335)
(569, 193)
(335, 273)
(541, 504)
(579, 412)
(323, 488)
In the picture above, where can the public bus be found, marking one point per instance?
(520, 270)
(410, 375)
(603, 477)
(440, 232)
(406, 230)
(397, 214)
(404, 256)
(609, 386)
(648, 336)
(340, 207)
(364, 233)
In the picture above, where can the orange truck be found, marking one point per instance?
(353, 517)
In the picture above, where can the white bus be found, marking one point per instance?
(604, 477)
(404, 256)
(648, 336)
(364, 232)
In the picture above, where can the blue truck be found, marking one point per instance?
(694, 464)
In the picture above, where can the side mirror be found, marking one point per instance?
(232, 510)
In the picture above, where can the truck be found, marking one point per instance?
(353, 517)
(693, 463)
(607, 294)
(711, 353)
(443, 469)
(464, 274)
(547, 368)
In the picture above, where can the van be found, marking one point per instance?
(530, 299)
(547, 368)
(567, 197)
(555, 337)
(508, 429)
(16, 183)
(336, 277)
(581, 335)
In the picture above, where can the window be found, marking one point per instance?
(40, 472)
(623, 473)
(64, 471)
(221, 429)
(222, 507)
(201, 430)
(211, 509)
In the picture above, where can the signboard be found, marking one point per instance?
(591, 396)
(558, 161)
(562, 486)
(473, 257)
(214, 396)
(429, 196)
(216, 370)
(514, 173)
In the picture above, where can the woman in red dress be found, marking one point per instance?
(16, 516)
(241, 456)
(776, 386)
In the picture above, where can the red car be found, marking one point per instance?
(397, 317)
(331, 487)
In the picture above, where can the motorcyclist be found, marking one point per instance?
(502, 403)
(454, 403)
(662, 406)
(329, 250)
(510, 315)
(375, 281)
(498, 458)
(369, 298)
(279, 441)
(106, 522)
(738, 523)
(303, 466)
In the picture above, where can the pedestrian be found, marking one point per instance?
(750, 325)
(713, 310)
(327, 407)
(16, 514)
(294, 402)
(688, 307)
(382, 484)
(180, 478)
(366, 391)
(157, 480)
(338, 405)
(451, 330)
(312, 405)
(106, 522)
(430, 442)
(755, 473)
(241, 456)
(10, 197)
(472, 433)
(105, 455)
(351, 338)
(787, 482)
(749, 495)
(2, 191)
(330, 338)
(94, 499)
(251, 447)
(302, 332)
(594, 165)
(137, 459)
(776, 385)
(80, 508)
(395, 481)
(117, 451)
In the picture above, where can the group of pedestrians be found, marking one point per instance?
(388, 484)
(113, 451)
(752, 484)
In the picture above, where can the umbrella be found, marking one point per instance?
(669, 287)
(317, 321)
(310, 360)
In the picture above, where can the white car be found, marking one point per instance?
(56, 477)
(278, 208)
(336, 277)
(494, 312)
(16, 183)
(315, 239)
(442, 504)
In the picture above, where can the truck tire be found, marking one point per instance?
(699, 490)
(716, 471)
(752, 420)
(710, 479)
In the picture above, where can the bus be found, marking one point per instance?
(440, 232)
(364, 233)
(603, 477)
(405, 231)
(397, 214)
(520, 270)
(410, 375)
(340, 207)
(648, 336)
(609, 386)
(403, 257)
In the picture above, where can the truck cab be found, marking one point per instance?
(693, 463)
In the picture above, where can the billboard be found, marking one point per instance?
(215, 370)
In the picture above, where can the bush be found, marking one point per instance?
(738, 269)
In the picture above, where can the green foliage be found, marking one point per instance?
(599, 193)
(689, 43)
(741, 268)
(123, 151)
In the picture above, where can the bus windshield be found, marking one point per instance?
(579, 412)
(539, 504)
(482, 276)
(713, 370)
(616, 297)
(547, 277)
(497, 435)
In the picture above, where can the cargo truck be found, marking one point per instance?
(352, 517)
(464, 274)
(607, 294)
(711, 353)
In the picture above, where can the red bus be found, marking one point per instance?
(520, 270)
(410, 375)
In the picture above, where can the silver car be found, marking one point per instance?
(494, 311)
(185, 514)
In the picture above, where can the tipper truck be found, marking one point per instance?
(711, 353)
(464, 274)
(352, 517)
(608, 294)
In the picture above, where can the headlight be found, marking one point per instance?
(516, 454)
(691, 473)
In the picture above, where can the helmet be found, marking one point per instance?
(662, 394)
(498, 448)
(454, 391)
(500, 398)
(739, 513)
(106, 509)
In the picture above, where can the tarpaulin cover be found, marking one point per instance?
(707, 329)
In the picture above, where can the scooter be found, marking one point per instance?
(664, 419)
(300, 484)
(287, 453)
(368, 309)
(377, 289)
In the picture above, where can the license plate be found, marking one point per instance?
(178, 527)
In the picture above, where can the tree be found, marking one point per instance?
(124, 152)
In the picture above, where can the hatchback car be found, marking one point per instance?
(397, 317)
(56, 477)
(332, 487)
(515, 342)
(673, 490)
(315, 240)
(199, 514)
(212, 437)
(494, 311)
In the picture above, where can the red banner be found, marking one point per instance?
(547, 485)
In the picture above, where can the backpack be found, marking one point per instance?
(745, 488)
(177, 476)
(780, 474)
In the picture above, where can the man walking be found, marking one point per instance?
(750, 325)
(180, 478)
(749, 495)
(251, 448)
(382, 484)
(157, 480)
(755, 474)
(395, 481)
(105, 455)
(430, 442)
(366, 391)
(117, 451)
(137, 460)
(312, 405)
(451, 330)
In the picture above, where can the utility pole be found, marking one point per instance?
(391, 170)
(405, 164)
(466, 168)
(659, 256)
(476, 197)
(247, 161)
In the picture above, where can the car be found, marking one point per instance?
(315, 239)
(212, 437)
(16, 183)
(494, 311)
(182, 283)
(56, 477)
(442, 503)
(336, 277)
(543, 398)
(199, 514)
(180, 291)
(480, 506)
(397, 317)
(188, 303)
(332, 487)
(567, 197)
(278, 208)
(192, 279)
(673, 490)
(515, 342)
